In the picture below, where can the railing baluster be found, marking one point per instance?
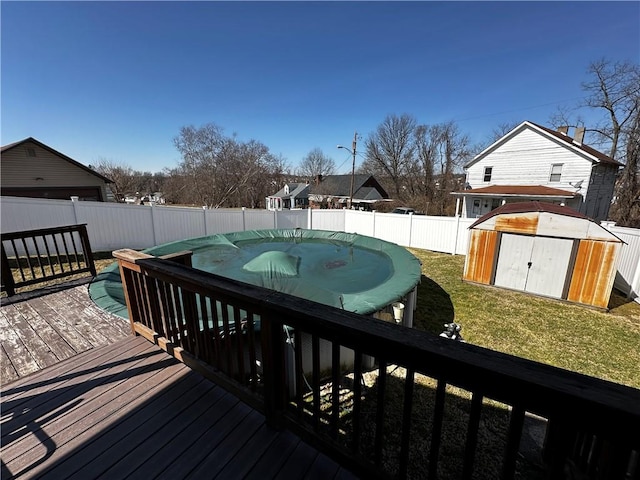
(75, 250)
(299, 373)
(18, 262)
(49, 259)
(35, 244)
(436, 433)
(28, 257)
(216, 332)
(516, 423)
(239, 342)
(406, 422)
(205, 336)
(382, 385)
(472, 435)
(228, 346)
(55, 244)
(335, 388)
(357, 399)
(315, 354)
(251, 339)
(66, 251)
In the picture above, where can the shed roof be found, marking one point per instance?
(542, 222)
(10, 146)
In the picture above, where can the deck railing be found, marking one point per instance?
(391, 401)
(36, 256)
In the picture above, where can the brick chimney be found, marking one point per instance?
(578, 136)
(564, 130)
(318, 179)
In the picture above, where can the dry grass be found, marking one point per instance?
(583, 339)
(101, 262)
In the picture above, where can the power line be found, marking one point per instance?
(518, 109)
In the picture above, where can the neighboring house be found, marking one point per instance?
(334, 191)
(292, 195)
(32, 169)
(532, 162)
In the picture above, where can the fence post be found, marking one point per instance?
(309, 219)
(74, 202)
(153, 225)
(410, 227)
(374, 224)
(455, 241)
(204, 219)
(244, 220)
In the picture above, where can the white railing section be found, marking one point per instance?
(112, 226)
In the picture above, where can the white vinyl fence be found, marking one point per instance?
(113, 225)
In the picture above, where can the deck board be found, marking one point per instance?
(130, 410)
(58, 324)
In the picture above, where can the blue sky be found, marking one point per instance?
(117, 80)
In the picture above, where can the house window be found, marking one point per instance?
(476, 206)
(556, 172)
(487, 173)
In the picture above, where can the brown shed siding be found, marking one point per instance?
(593, 273)
(525, 223)
(479, 261)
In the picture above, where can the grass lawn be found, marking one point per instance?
(583, 339)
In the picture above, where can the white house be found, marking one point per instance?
(292, 195)
(532, 163)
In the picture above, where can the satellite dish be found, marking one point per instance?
(577, 185)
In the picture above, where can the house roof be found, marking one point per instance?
(518, 191)
(364, 187)
(533, 206)
(295, 189)
(11, 146)
(585, 150)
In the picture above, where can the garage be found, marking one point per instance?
(543, 249)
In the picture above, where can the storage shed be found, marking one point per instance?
(543, 249)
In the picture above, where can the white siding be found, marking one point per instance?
(526, 159)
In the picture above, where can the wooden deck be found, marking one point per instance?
(43, 327)
(87, 407)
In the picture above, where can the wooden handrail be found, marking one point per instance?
(571, 401)
(40, 250)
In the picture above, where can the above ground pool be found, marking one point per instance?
(358, 273)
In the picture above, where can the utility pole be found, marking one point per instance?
(353, 167)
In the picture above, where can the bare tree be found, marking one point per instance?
(122, 175)
(390, 149)
(218, 171)
(626, 209)
(316, 163)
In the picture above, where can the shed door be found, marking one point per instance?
(533, 264)
(512, 269)
(549, 266)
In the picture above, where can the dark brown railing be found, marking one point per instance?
(384, 400)
(36, 256)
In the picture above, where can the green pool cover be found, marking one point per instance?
(355, 272)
